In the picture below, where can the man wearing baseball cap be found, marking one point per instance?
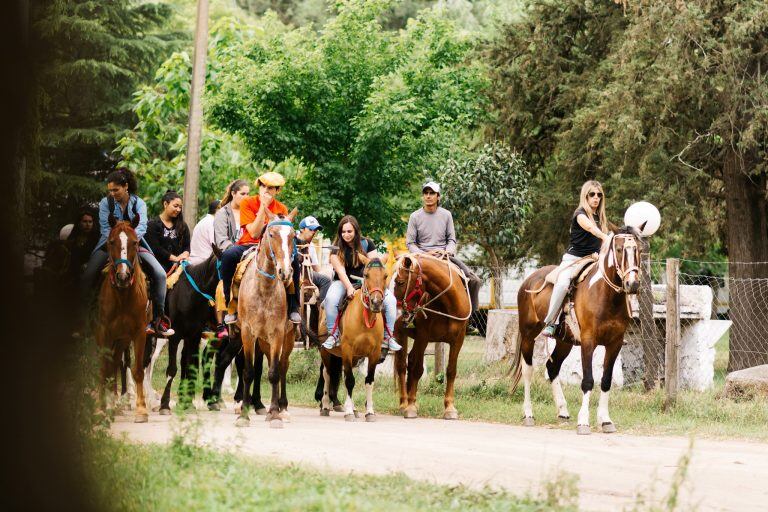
(308, 228)
(430, 229)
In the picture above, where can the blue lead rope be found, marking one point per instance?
(184, 265)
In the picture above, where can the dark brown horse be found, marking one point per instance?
(601, 307)
(263, 319)
(123, 310)
(362, 329)
(431, 290)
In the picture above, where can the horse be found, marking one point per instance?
(123, 310)
(232, 349)
(602, 308)
(432, 291)
(189, 309)
(362, 329)
(262, 315)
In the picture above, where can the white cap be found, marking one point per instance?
(66, 231)
(310, 223)
(431, 184)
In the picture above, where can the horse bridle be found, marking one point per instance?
(118, 261)
(630, 242)
(272, 251)
(366, 294)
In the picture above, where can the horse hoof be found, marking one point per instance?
(357, 414)
(349, 417)
(325, 412)
(609, 428)
(563, 419)
(242, 422)
(262, 411)
(451, 415)
(285, 416)
(276, 423)
(156, 408)
(583, 430)
(410, 413)
(214, 407)
(143, 418)
(338, 408)
(370, 417)
(165, 412)
(238, 408)
(528, 421)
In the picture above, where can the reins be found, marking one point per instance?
(418, 291)
(365, 295)
(185, 264)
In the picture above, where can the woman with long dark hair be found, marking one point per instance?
(168, 234)
(124, 204)
(349, 243)
(82, 241)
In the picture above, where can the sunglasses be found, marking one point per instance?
(593, 194)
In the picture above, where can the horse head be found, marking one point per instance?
(280, 240)
(123, 251)
(624, 254)
(374, 282)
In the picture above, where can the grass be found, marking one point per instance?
(483, 393)
(180, 476)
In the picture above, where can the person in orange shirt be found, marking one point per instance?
(253, 220)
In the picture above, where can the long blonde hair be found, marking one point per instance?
(584, 203)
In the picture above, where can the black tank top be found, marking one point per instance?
(583, 243)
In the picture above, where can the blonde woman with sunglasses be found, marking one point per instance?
(589, 228)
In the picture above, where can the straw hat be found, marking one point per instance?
(271, 179)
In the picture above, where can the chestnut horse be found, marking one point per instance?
(430, 290)
(601, 306)
(123, 310)
(263, 319)
(362, 329)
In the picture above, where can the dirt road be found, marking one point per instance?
(612, 469)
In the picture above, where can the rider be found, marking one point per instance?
(200, 248)
(254, 219)
(308, 228)
(125, 205)
(430, 228)
(589, 228)
(227, 231)
(168, 234)
(344, 259)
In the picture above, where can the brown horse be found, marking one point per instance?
(431, 291)
(123, 310)
(601, 306)
(362, 329)
(263, 319)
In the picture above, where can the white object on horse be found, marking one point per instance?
(643, 212)
(66, 231)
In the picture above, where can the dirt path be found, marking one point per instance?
(723, 475)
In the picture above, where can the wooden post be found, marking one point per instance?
(195, 128)
(439, 357)
(673, 333)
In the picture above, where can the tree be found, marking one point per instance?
(90, 58)
(488, 194)
(364, 109)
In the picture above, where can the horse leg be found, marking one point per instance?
(325, 400)
(273, 415)
(222, 361)
(249, 348)
(170, 373)
(526, 361)
(284, 361)
(207, 358)
(415, 370)
(158, 345)
(603, 418)
(587, 383)
(450, 412)
(370, 415)
(401, 365)
(561, 351)
(321, 380)
(139, 340)
(349, 383)
(185, 365)
(258, 405)
(333, 393)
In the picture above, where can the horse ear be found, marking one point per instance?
(363, 258)
(216, 251)
(407, 262)
(112, 220)
(292, 215)
(135, 221)
(642, 227)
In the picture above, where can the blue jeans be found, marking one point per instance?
(336, 294)
(149, 263)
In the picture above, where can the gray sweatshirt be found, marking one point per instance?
(431, 231)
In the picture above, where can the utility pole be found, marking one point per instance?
(195, 127)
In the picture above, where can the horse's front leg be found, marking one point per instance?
(450, 412)
(561, 351)
(603, 418)
(370, 414)
(325, 377)
(285, 354)
(258, 405)
(401, 364)
(170, 373)
(139, 341)
(587, 383)
(273, 416)
(349, 382)
(249, 348)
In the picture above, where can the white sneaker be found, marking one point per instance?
(331, 342)
(230, 318)
(392, 344)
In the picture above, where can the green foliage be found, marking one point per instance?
(488, 194)
(365, 110)
(91, 57)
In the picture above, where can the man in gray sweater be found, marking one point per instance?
(430, 228)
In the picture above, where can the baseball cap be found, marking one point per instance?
(431, 184)
(310, 223)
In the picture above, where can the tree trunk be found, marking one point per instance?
(747, 243)
(497, 275)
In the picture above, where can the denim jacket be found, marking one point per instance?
(104, 228)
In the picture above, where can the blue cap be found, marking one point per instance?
(310, 223)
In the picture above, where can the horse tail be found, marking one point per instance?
(517, 363)
(314, 338)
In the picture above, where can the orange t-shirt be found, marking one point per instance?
(249, 208)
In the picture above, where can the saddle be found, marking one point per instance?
(173, 276)
(248, 256)
(578, 270)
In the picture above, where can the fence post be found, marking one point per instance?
(671, 358)
(650, 336)
(439, 357)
